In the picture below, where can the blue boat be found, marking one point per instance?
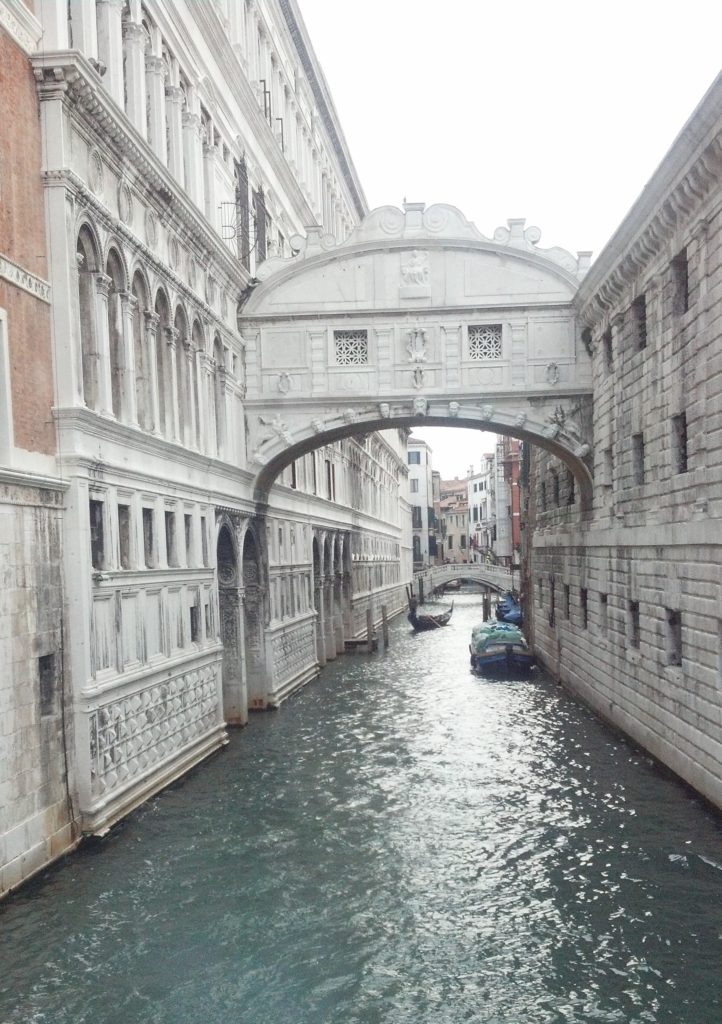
(509, 610)
(499, 647)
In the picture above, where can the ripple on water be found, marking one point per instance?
(402, 842)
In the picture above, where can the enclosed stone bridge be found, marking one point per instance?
(416, 318)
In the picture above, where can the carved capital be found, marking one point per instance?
(171, 336)
(151, 320)
(134, 33)
(154, 65)
(103, 284)
(128, 301)
(174, 93)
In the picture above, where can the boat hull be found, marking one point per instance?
(507, 659)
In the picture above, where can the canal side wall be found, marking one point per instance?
(626, 607)
(36, 736)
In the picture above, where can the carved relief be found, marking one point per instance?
(552, 373)
(95, 172)
(151, 229)
(285, 382)
(130, 735)
(416, 346)
(125, 202)
(416, 269)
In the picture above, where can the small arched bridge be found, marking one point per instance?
(416, 318)
(496, 577)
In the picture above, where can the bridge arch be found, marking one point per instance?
(416, 318)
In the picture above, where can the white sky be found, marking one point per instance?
(556, 111)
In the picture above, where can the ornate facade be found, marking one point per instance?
(181, 148)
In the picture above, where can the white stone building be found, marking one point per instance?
(481, 494)
(421, 499)
(182, 145)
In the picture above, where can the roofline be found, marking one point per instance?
(322, 96)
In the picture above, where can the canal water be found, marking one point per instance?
(401, 843)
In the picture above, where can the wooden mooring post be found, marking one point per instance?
(369, 631)
(486, 605)
(385, 626)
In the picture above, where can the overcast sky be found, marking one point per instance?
(556, 111)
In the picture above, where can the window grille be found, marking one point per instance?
(485, 341)
(352, 347)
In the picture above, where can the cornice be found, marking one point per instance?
(25, 478)
(70, 73)
(683, 183)
(21, 24)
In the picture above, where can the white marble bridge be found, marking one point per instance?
(416, 318)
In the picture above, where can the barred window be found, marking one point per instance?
(352, 347)
(485, 341)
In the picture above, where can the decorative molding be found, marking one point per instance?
(21, 24)
(24, 279)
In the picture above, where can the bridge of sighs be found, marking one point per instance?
(416, 318)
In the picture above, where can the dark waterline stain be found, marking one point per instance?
(401, 842)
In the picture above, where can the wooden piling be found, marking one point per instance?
(369, 631)
(385, 626)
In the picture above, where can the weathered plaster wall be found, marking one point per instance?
(35, 812)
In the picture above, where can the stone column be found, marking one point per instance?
(328, 627)
(191, 377)
(129, 379)
(174, 108)
(210, 154)
(134, 41)
(151, 330)
(320, 621)
(199, 405)
(84, 28)
(191, 144)
(110, 46)
(172, 398)
(154, 79)
(105, 395)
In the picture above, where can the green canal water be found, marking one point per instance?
(401, 843)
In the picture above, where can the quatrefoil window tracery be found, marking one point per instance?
(485, 341)
(352, 348)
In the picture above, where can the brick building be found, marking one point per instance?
(35, 806)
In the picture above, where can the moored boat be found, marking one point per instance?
(499, 647)
(423, 623)
(509, 610)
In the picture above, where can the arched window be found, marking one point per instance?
(114, 270)
(219, 398)
(87, 263)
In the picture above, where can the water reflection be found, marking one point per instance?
(402, 842)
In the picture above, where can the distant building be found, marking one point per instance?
(454, 520)
(481, 498)
(421, 499)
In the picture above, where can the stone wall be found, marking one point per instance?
(626, 609)
(35, 749)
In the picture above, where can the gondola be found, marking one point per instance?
(422, 623)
